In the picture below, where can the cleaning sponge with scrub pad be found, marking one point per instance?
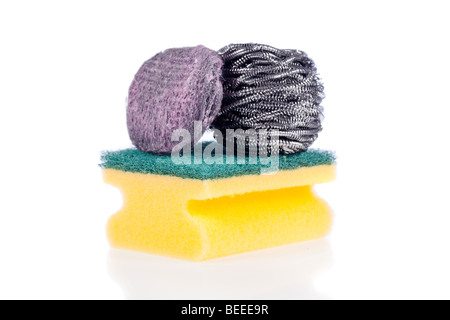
(200, 210)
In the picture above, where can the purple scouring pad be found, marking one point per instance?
(170, 91)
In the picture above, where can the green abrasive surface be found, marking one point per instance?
(133, 160)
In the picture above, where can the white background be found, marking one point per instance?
(65, 68)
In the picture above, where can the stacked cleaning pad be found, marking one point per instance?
(263, 99)
(171, 91)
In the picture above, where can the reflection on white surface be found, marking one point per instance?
(286, 272)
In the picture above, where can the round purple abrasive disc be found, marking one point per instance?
(170, 91)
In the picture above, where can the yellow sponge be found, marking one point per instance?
(202, 219)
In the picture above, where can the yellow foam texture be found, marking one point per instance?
(203, 219)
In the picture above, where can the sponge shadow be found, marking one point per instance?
(284, 272)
